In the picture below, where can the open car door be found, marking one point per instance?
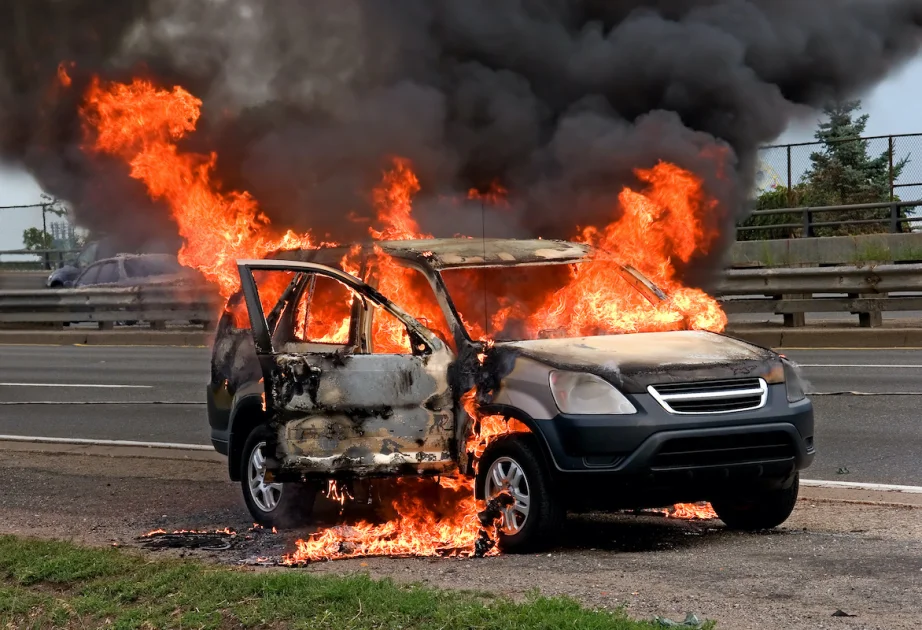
(339, 404)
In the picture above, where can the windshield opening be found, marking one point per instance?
(577, 299)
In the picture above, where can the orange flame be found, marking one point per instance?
(692, 511)
(142, 125)
(486, 429)
(63, 76)
(665, 223)
(495, 195)
(445, 525)
(394, 202)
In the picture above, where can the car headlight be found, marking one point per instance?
(581, 393)
(793, 384)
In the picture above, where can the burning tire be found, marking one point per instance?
(763, 509)
(512, 465)
(271, 504)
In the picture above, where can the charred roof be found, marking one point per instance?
(446, 253)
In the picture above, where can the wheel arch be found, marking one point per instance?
(247, 415)
(535, 439)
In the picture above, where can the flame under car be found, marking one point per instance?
(325, 368)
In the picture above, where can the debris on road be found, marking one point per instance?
(691, 621)
(842, 613)
(206, 540)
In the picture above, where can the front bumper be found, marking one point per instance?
(654, 441)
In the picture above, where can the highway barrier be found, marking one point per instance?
(864, 291)
(155, 304)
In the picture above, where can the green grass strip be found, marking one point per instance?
(57, 584)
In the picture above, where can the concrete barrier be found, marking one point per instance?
(837, 250)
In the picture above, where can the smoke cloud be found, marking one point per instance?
(558, 100)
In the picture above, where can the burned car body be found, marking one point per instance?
(608, 421)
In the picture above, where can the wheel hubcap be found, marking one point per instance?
(265, 495)
(506, 475)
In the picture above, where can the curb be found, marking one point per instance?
(852, 496)
(112, 451)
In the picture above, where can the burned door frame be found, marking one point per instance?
(345, 411)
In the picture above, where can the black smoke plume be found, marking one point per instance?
(558, 100)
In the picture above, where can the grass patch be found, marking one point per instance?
(55, 584)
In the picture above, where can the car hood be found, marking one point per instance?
(634, 361)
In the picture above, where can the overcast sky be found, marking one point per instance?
(893, 107)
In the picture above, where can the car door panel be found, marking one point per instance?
(341, 411)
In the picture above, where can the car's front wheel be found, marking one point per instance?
(762, 509)
(531, 512)
(272, 504)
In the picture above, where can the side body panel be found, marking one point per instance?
(339, 411)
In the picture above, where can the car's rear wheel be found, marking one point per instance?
(272, 504)
(534, 515)
(761, 509)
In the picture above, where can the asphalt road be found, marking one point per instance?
(867, 402)
(104, 392)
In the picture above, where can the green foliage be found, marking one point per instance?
(34, 239)
(842, 172)
(56, 584)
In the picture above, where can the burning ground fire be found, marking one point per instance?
(661, 225)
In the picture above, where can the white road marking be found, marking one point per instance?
(94, 386)
(85, 442)
(851, 485)
(854, 365)
(861, 394)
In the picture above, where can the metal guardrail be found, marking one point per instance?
(802, 223)
(156, 304)
(865, 291)
(792, 292)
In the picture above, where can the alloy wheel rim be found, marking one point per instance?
(266, 496)
(506, 475)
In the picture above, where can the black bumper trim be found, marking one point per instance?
(633, 442)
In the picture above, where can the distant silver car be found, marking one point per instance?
(128, 270)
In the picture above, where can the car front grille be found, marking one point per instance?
(723, 450)
(710, 397)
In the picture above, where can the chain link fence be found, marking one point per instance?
(787, 165)
(787, 179)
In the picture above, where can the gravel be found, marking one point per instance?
(865, 559)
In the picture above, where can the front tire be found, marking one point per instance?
(271, 504)
(513, 465)
(763, 509)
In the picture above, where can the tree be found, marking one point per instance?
(35, 239)
(842, 172)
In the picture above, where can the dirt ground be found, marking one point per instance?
(863, 558)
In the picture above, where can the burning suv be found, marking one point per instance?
(439, 357)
